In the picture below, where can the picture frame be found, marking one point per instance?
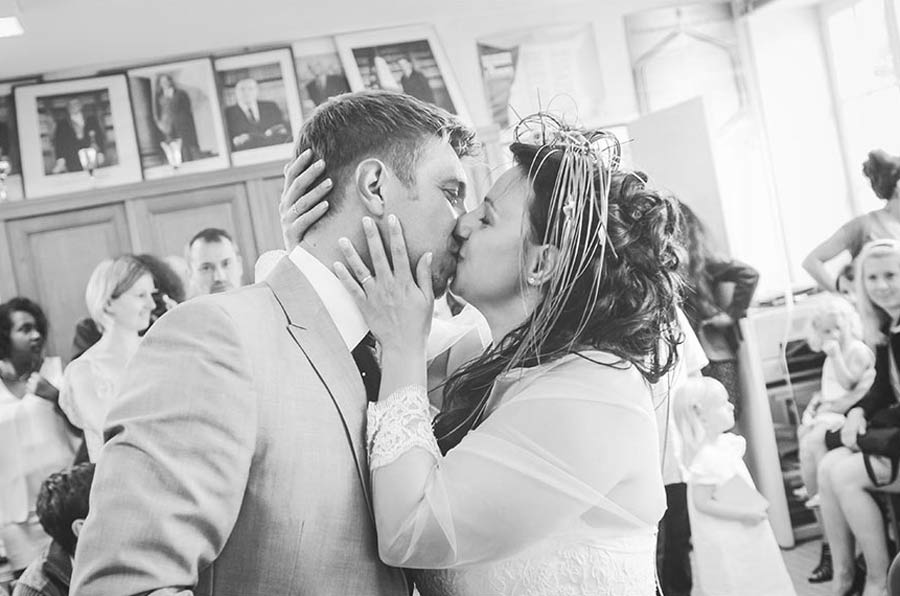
(11, 188)
(409, 59)
(320, 72)
(260, 105)
(177, 118)
(76, 134)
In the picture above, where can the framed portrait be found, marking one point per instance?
(177, 118)
(320, 74)
(405, 59)
(555, 67)
(76, 134)
(10, 165)
(260, 105)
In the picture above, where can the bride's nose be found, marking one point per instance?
(464, 226)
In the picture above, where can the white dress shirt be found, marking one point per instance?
(337, 300)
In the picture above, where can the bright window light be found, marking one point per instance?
(10, 27)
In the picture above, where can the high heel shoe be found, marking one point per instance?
(825, 571)
(859, 578)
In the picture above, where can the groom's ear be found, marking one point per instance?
(371, 175)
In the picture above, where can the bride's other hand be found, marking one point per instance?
(397, 307)
(301, 203)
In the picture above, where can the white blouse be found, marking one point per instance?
(564, 471)
(86, 396)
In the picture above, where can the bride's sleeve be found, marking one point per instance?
(558, 449)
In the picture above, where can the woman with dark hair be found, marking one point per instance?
(713, 319)
(545, 474)
(883, 172)
(35, 439)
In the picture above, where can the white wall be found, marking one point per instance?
(72, 37)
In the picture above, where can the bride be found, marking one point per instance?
(542, 475)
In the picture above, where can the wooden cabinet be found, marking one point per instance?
(50, 246)
(53, 257)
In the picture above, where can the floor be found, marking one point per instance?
(799, 561)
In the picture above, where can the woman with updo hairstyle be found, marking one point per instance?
(119, 298)
(546, 457)
(35, 438)
(883, 172)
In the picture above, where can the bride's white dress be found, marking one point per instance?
(558, 491)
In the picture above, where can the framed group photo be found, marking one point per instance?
(10, 164)
(260, 105)
(178, 119)
(320, 74)
(76, 134)
(404, 59)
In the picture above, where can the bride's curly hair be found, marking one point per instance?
(622, 302)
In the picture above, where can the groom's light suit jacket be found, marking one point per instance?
(236, 459)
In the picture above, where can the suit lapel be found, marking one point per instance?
(314, 332)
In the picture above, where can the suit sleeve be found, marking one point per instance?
(171, 477)
(745, 279)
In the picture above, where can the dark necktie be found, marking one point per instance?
(367, 363)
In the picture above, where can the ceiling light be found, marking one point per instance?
(10, 27)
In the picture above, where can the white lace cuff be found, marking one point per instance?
(398, 424)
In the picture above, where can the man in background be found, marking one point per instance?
(62, 506)
(214, 263)
(414, 82)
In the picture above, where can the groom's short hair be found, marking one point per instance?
(390, 126)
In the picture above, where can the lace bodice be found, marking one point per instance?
(564, 566)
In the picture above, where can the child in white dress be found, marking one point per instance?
(735, 552)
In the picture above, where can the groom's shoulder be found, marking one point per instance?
(254, 302)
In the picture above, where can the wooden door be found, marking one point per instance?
(164, 224)
(53, 257)
(264, 195)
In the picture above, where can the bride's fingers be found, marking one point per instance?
(399, 256)
(295, 168)
(380, 263)
(359, 269)
(297, 189)
(423, 276)
(352, 286)
(306, 203)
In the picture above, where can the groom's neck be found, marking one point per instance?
(322, 241)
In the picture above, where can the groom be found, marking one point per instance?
(235, 461)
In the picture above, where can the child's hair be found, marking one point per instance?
(845, 314)
(63, 498)
(687, 403)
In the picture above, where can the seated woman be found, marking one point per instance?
(549, 481)
(119, 297)
(35, 439)
(849, 511)
(883, 172)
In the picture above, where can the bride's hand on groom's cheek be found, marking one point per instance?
(396, 304)
(301, 202)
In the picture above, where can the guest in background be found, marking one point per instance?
(253, 122)
(215, 264)
(76, 130)
(62, 506)
(883, 172)
(414, 82)
(170, 291)
(175, 117)
(119, 296)
(715, 323)
(35, 438)
(851, 515)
